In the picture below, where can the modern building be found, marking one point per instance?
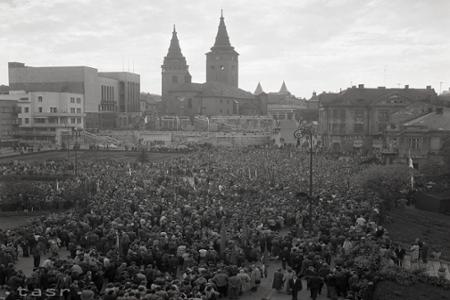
(357, 117)
(111, 100)
(8, 118)
(44, 116)
(219, 95)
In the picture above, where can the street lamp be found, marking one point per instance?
(308, 131)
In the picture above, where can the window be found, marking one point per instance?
(40, 99)
(27, 110)
(415, 143)
(40, 109)
(72, 120)
(72, 100)
(359, 116)
(27, 121)
(20, 109)
(358, 127)
(78, 120)
(78, 110)
(383, 116)
(78, 100)
(72, 110)
(52, 109)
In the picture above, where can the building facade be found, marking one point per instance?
(356, 118)
(420, 138)
(8, 118)
(44, 116)
(219, 95)
(109, 97)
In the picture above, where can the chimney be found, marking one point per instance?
(406, 87)
(428, 87)
(439, 110)
(360, 86)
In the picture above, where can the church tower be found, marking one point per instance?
(175, 71)
(222, 61)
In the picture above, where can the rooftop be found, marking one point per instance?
(433, 120)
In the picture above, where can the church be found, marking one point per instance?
(220, 95)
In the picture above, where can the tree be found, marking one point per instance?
(387, 182)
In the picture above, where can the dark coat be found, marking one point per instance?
(295, 287)
(277, 283)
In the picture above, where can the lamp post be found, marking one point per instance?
(307, 130)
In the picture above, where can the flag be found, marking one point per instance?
(117, 240)
(411, 166)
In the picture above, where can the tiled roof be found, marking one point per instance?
(214, 89)
(367, 96)
(433, 121)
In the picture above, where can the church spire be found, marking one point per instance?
(283, 89)
(222, 39)
(259, 90)
(174, 48)
(174, 58)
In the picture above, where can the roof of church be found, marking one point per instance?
(222, 41)
(214, 89)
(174, 55)
(259, 89)
(174, 48)
(283, 89)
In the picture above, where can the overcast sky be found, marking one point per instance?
(320, 45)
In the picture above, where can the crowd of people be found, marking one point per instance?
(204, 225)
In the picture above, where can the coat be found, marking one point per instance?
(295, 286)
(277, 283)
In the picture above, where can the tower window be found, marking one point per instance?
(174, 79)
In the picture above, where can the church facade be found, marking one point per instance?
(220, 95)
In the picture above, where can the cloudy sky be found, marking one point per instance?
(320, 45)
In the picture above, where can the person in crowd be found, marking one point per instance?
(191, 227)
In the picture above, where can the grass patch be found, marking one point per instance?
(409, 223)
(388, 290)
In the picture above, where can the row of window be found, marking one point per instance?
(73, 110)
(50, 121)
(6, 109)
(78, 99)
(72, 99)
